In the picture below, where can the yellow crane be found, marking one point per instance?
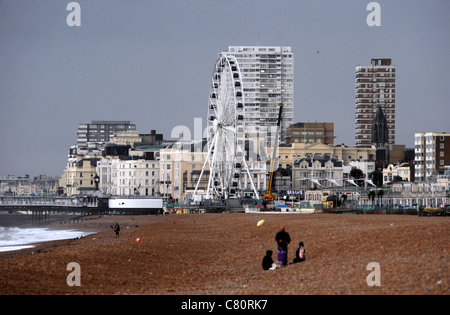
(268, 196)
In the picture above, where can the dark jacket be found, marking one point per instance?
(267, 261)
(282, 238)
(297, 255)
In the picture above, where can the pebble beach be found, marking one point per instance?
(221, 254)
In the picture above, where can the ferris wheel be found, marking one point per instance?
(226, 159)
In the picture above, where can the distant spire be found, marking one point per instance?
(380, 135)
(380, 131)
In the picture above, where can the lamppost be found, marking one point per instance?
(96, 181)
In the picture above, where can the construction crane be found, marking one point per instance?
(268, 197)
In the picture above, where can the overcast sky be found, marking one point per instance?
(151, 61)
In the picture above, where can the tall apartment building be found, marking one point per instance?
(432, 152)
(375, 87)
(307, 132)
(101, 131)
(268, 80)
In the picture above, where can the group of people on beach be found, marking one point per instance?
(283, 239)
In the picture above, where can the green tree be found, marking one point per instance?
(356, 173)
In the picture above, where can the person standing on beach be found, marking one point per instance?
(117, 229)
(283, 239)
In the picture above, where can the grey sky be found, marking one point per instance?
(150, 62)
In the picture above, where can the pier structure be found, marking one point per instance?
(81, 205)
(51, 205)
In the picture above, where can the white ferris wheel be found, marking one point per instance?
(226, 158)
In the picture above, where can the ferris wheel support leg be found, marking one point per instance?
(203, 168)
(251, 179)
(211, 165)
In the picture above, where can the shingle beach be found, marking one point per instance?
(217, 254)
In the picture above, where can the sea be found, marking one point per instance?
(20, 232)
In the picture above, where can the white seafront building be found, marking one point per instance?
(128, 177)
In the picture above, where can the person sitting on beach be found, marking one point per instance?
(267, 260)
(300, 253)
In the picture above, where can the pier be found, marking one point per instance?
(52, 205)
(80, 205)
